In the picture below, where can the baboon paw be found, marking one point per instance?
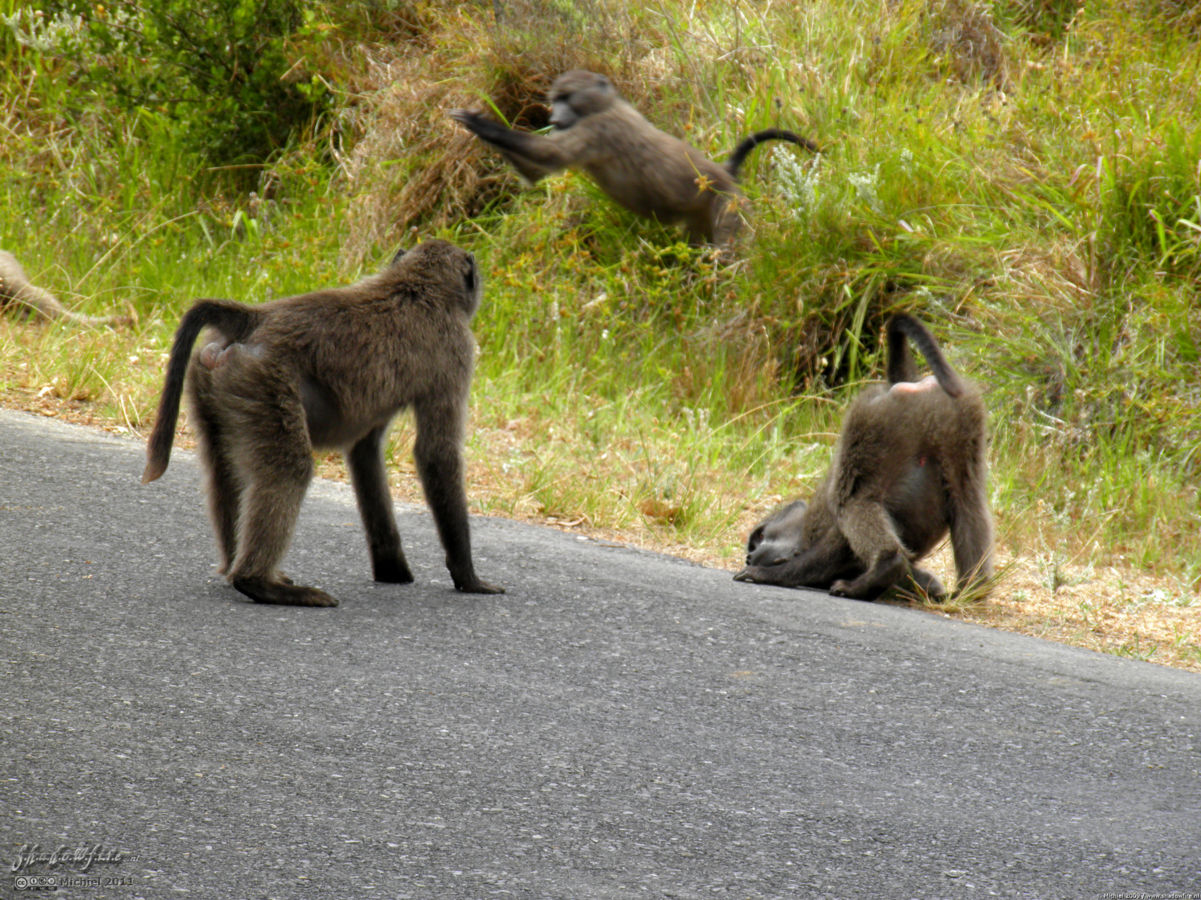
(925, 586)
(852, 591)
(309, 596)
(393, 572)
(842, 588)
(754, 575)
(478, 586)
(272, 591)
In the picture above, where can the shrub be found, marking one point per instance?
(224, 74)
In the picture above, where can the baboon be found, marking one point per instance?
(329, 369)
(644, 169)
(15, 288)
(910, 464)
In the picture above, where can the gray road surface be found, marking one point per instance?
(619, 724)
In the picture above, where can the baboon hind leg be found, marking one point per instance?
(276, 464)
(874, 540)
(224, 486)
(972, 534)
(370, 479)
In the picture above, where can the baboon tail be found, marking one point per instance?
(734, 163)
(235, 321)
(900, 362)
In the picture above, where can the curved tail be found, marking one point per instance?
(900, 361)
(235, 321)
(734, 163)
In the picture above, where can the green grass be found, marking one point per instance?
(1022, 175)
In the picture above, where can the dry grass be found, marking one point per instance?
(965, 37)
(411, 163)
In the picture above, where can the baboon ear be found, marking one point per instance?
(397, 256)
(472, 273)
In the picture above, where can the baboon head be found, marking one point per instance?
(779, 537)
(577, 94)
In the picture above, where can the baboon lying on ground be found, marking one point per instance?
(910, 465)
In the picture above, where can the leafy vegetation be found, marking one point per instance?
(1025, 175)
(220, 76)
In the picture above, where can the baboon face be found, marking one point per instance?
(577, 94)
(779, 537)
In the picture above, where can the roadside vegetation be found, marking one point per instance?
(1024, 175)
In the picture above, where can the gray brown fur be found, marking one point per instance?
(644, 169)
(16, 289)
(328, 370)
(910, 465)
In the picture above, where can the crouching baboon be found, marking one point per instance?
(329, 369)
(15, 288)
(910, 465)
(644, 169)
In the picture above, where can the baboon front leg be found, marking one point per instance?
(440, 465)
(370, 479)
(533, 155)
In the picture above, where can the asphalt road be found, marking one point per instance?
(619, 724)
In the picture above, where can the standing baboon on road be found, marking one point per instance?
(329, 369)
(644, 169)
(910, 465)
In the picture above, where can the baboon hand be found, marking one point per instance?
(751, 575)
(465, 116)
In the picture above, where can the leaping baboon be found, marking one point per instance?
(16, 288)
(644, 169)
(329, 369)
(910, 464)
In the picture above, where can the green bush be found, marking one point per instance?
(227, 75)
